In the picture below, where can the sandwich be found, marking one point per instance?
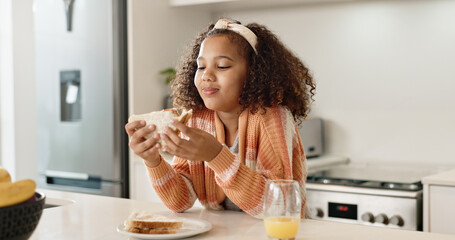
(149, 223)
(162, 119)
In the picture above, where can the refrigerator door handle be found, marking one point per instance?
(82, 180)
(71, 175)
(69, 13)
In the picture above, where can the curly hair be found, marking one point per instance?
(276, 77)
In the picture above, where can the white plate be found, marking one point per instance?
(190, 227)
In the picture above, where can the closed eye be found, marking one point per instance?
(223, 67)
(200, 68)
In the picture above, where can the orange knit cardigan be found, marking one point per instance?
(269, 148)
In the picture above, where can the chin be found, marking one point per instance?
(212, 106)
(219, 107)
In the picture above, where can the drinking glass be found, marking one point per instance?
(282, 206)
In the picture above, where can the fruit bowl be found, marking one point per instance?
(18, 221)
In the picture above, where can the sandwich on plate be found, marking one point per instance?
(149, 223)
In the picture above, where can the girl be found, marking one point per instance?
(246, 90)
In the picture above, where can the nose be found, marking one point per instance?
(207, 75)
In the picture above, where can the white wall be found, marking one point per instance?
(157, 37)
(385, 73)
(5, 59)
(17, 86)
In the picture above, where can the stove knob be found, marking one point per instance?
(381, 218)
(368, 217)
(397, 220)
(317, 212)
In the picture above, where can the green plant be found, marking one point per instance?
(169, 73)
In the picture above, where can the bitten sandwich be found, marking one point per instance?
(162, 119)
(149, 223)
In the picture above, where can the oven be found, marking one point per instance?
(368, 194)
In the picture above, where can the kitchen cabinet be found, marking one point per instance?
(224, 5)
(141, 188)
(439, 197)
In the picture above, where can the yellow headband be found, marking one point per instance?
(243, 31)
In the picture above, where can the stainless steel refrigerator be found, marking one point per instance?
(81, 80)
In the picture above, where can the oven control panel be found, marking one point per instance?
(374, 210)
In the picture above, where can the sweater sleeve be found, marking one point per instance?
(242, 185)
(173, 184)
(279, 155)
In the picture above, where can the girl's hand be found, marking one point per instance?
(147, 149)
(201, 145)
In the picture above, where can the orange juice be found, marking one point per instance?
(281, 227)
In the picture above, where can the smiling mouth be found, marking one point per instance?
(209, 91)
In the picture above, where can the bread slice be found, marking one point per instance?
(149, 223)
(150, 231)
(162, 119)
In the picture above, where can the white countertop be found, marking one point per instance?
(324, 161)
(446, 178)
(96, 217)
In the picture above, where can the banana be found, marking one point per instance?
(17, 192)
(4, 175)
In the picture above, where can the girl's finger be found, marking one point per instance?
(140, 134)
(172, 147)
(182, 127)
(147, 144)
(172, 135)
(151, 151)
(133, 126)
